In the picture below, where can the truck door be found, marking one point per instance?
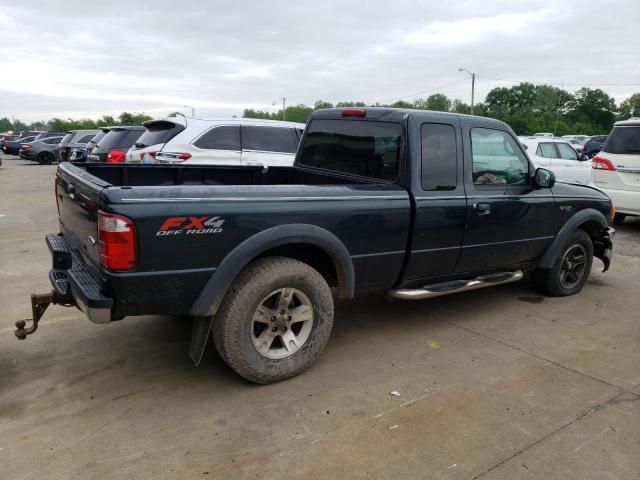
(440, 204)
(509, 221)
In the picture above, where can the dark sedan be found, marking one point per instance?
(12, 147)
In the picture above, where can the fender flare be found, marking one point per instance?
(210, 298)
(570, 226)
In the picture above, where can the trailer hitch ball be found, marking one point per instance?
(39, 303)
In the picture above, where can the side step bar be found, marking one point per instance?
(456, 286)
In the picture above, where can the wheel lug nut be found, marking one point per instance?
(274, 329)
(289, 318)
(273, 319)
(281, 312)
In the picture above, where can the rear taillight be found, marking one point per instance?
(116, 156)
(601, 163)
(173, 157)
(117, 242)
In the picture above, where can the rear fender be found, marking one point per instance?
(211, 296)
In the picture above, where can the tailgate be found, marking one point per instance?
(78, 194)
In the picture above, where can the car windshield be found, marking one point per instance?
(623, 139)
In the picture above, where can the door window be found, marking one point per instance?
(269, 139)
(225, 137)
(567, 152)
(546, 150)
(497, 159)
(439, 157)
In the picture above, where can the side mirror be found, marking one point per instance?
(544, 178)
(583, 157)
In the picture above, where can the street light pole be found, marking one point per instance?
(193, 110)
(473, 85)
(284, 109)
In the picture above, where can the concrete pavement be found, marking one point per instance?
(495, 384)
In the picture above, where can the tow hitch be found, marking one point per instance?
(39, 304)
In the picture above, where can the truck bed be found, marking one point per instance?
(162, 175)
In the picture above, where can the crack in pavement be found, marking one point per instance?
(595, 408)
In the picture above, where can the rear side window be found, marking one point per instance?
(497, 159)
(439, 157)
(359, 147)
(269, 139)
(567, 152)
(52, 141)
(623, 140)
(159, 132)
(225, 137)
(546, 150)
(98, 137)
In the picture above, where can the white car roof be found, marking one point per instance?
(201, 123)
(536, 140)
(629, 121)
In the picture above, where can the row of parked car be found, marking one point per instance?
(171, 140)
(611, 163)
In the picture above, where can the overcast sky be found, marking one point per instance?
(85, 59)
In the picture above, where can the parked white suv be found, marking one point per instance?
(616, 168)
(560, 157)
(234, 141)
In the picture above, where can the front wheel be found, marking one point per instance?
(570, 269)
(275, 320)
(45, 158)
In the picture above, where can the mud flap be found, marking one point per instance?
(199, 336)
(603, 247)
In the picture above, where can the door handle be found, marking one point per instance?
(482, 208)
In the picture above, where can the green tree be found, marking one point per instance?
(127, 118)
(5, 124)
(438, 102)
(593, 106)
(630, 107)
(176, 114)
(320, 104)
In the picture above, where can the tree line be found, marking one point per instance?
(63, 125)
(526, 107)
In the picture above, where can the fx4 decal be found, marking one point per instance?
(190, 226)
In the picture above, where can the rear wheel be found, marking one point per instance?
(45, 158)
(570, 269)
(275, 320)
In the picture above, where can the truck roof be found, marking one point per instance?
(397, 114)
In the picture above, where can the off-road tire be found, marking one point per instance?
(548, 281)
(232, 327)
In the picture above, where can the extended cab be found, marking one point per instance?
(413, 203)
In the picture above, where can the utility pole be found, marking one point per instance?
(284, 109)
(193, 110)
(473, 85)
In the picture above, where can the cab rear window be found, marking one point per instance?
(359, 147)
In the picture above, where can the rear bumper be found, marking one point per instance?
(73, 282)
(624, 201)
(27, 155)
